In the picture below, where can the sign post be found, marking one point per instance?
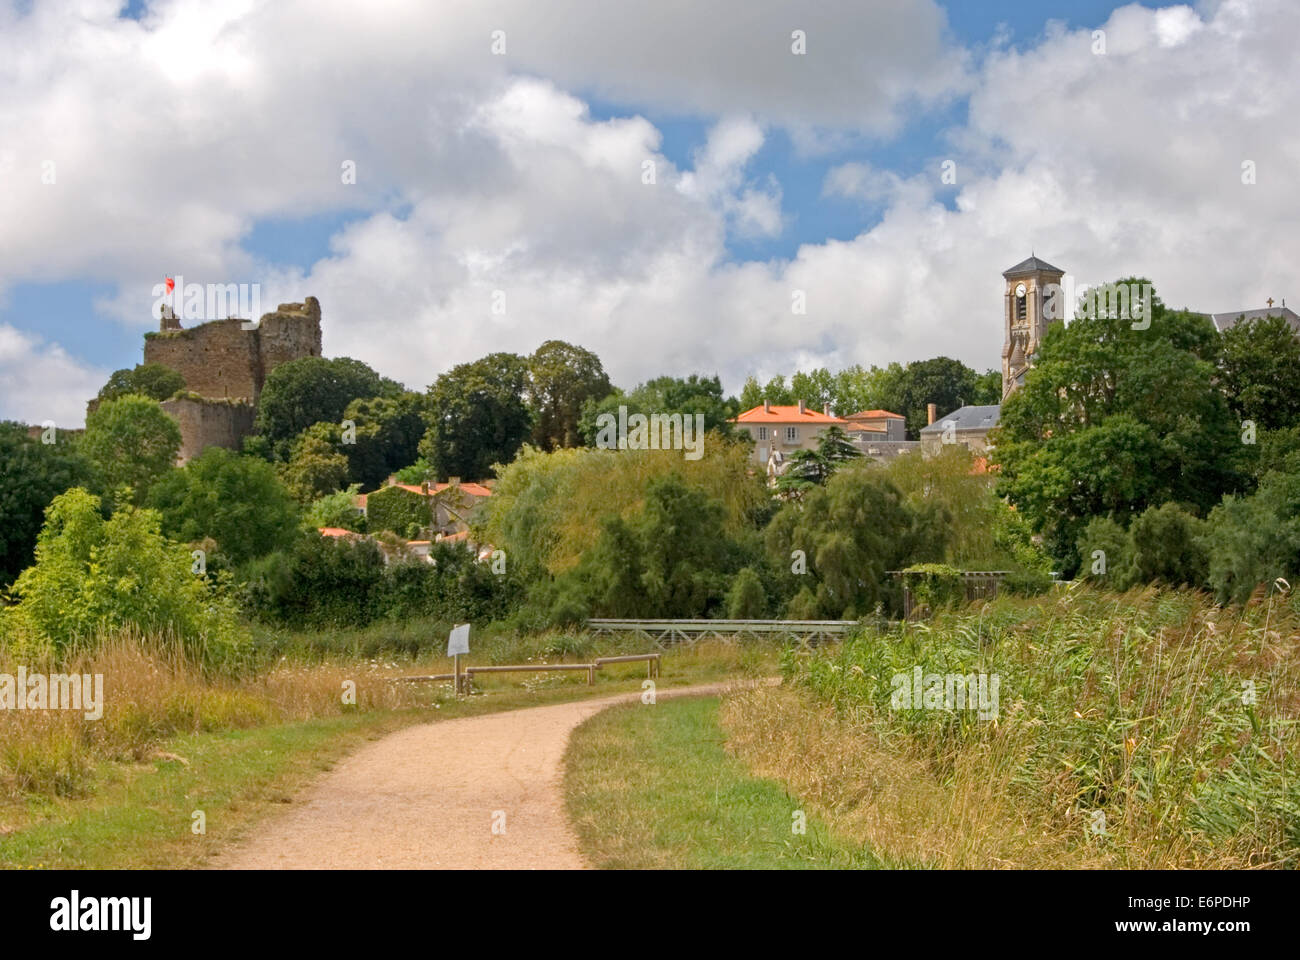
(458, 643)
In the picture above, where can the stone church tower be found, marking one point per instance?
(1023, 320)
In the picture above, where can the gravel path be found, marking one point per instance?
(474, 793)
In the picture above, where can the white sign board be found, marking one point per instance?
(458, 641)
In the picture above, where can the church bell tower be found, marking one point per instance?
(1023, 320)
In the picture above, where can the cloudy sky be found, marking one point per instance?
(654, 181)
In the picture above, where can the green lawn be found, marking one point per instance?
(653, 787)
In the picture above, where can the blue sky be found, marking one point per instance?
(75, 292)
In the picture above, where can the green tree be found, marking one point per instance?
(1168, 547)
(151, 380)
(746, 600)
(1253, 540)
(1112, 420)
(848, 534)
(562, 378)
(235, 500)
(337, 510)
(670, 561)
(382, 435)
(32, 474)
(947, 383)
(478, 417)
(315, 467)
(130, 442)
(1107, 552)
(667, 395)
(93, 575)
(1261, 372)
(313, 390)
(816, 388)
(983, 533)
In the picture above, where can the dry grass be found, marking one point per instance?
(150, 697)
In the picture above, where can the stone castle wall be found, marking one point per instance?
(225, 367)
(223, 360)
(210, 423)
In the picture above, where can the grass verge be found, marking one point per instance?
(653, 787)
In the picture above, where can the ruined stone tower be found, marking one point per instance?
(225, 364)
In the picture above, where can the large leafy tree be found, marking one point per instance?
(1261, 371)
(237, 501)
(688, 396)
(561, 379)
(670, 561)
(383, 437)
(151, 380)
(130, 443)
(313, 390)
(945, 382)
(315, 467)
(478, 416)
(848, 534)
(32, 474)
(1113, 420)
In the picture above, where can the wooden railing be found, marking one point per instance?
(666, 633)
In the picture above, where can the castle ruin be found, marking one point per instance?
(225, 364)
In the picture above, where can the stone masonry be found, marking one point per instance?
(225, 366)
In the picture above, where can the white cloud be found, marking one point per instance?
(480, 173)
(40, 382)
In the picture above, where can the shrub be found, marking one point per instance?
(92, 574)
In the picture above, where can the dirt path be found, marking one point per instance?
(428, 797)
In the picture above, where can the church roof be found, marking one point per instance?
(1225, 320)
(1026, 268)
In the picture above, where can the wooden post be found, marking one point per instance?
(456, 667)
(591, 675)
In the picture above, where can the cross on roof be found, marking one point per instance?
(1270, 302)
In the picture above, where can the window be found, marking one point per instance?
(792, 434)
(762, 433)
(1020, 309)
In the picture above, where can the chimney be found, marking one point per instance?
(801, 408)
(767, 406)
(826, 409)
(454, 481)
(931, 411)
(424, 488)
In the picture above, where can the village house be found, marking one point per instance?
(779, 430)
(451, 505)
(968, 426)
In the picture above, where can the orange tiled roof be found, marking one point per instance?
(786, 414)
(874, 415)
(473, 489)
(336, 532)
